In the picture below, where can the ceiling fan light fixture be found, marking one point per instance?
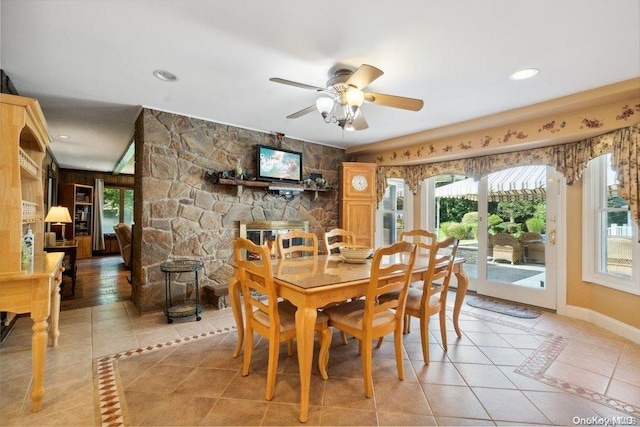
(324, 105)
(355, 97)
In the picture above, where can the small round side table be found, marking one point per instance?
(185, 307)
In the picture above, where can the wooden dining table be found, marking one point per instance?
(313, 282)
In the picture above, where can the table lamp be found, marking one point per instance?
(59, 215)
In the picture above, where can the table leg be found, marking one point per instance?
(305, 327)
(54, 330)
(38, 353)
(461, 291)
(234, 295)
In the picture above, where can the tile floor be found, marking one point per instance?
(115, 367)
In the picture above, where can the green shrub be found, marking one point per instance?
(470, 218)
(514, 227)
(474, 231)
(494, 220)
(535, 225)
(458, 230)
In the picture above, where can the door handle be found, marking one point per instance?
(552, 237)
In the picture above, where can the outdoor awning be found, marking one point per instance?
(518, 183)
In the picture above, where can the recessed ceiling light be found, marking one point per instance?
(527, 73)
(165, 76)
(64, 137)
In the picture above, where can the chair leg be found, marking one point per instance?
(325, 337)
(380, 340)
(443, 328)
(397, 337)
(407, 323)
(290, 348)
(367, 366)
(424, 337)
(272, 368)
(344, 338)
(248, 350)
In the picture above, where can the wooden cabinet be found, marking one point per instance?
(22, 151)
(79, 200)
(31, 287)
(358, 200)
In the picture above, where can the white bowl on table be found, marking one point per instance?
(355, 253)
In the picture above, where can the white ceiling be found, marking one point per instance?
(90, 63)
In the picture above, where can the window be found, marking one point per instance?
(117, 207)
(391, 212)
(611, 255)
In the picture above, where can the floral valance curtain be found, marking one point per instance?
(569, 159)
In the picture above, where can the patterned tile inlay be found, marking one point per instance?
(536, 365)
(110, 407)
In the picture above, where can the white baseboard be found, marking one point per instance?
(606, 322)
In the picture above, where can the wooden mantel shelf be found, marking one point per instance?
(266, 185)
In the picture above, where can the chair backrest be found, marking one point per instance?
(256, 279)
(337, 237)
(123, 235)
(530, 237)
(396, 258)
(297, 243)
(436, 278)
(423, 239)
(504, 239)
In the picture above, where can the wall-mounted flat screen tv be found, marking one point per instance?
(277, 164)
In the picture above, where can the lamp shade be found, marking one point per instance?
(58, 214)
(324, 105)
(355, 97)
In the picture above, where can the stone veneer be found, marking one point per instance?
(180, 214)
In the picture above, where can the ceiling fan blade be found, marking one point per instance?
(363, 76)
(296, 84)
(395, 101)
(301, 113)
(359, 123)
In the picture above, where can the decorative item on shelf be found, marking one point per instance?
(59, 215)
(239, 171)
(27, 245)
(212, 176)
(316, 183)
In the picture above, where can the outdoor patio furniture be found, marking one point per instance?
(533, 246)
(507, 248)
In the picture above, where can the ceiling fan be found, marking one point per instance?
(344, 95)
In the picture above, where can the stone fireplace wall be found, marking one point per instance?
(180, 214)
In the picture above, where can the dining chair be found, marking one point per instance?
(368, 319)
(431, 297)
(297, 243)
(266, 315)
(423, 239)
(337, 237)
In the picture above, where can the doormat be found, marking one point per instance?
(504, 307)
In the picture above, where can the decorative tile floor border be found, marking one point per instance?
(537, 364)
(109, 394)
(111, 412)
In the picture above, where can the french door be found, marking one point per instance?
(522, 269)
(509, 227)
